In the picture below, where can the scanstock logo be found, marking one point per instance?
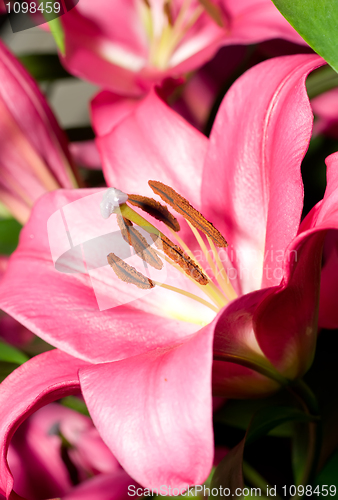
(25, 14)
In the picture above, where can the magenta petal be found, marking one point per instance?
(43, 379)
(252, 170)
(154, 412)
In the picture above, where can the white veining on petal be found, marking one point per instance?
(112, 198)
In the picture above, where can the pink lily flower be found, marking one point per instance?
(34, 152)
(145, 366)
(128, 47)
(53, 437)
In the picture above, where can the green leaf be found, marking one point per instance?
(328, 475)
(76, 404)
(9, 235)
(6, 369)
(317, 22)
(229, 473)
(44, 67)
(10, 354)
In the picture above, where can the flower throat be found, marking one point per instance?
(177, 255)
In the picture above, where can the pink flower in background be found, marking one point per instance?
(58, 453)
(144, 367)
(34, 152)
(126, 47)
(325, 107)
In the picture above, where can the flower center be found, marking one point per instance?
(213, 282)
(165, 30)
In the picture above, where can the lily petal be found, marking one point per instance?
(286, 322)
(161, 432)
(252, 169)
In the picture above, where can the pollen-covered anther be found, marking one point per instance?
(155, 209)
(127, 273)
(175, 253)
(182, 206)
(139, 244)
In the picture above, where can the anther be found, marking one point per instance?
(175, 253)
(111, 199)
(127, 273)
(155, 209)
(182, 206)
(139, 244)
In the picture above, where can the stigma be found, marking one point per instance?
(112, 199)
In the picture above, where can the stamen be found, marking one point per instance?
(224, 283)
(175, 253)
(127, 221)
(204, 248)
(139, 244)
(182, 206)
(188, 294)
(209, 289)
(167, 11)
(127, 273)
(155, 209)
(219, 278)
